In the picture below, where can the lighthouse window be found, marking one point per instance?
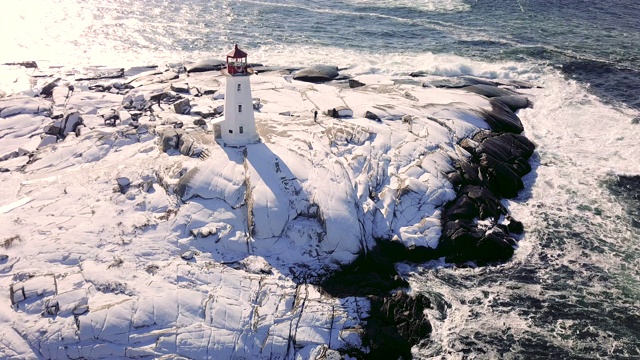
(239, 108)
(239, 87)
(230, 131)
(241, 130)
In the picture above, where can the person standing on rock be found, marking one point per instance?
(315, 115)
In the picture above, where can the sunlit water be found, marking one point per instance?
(573, 288)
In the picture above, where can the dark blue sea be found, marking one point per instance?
(572, 290)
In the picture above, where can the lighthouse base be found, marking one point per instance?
(238, 145)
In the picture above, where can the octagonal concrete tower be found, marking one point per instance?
(239, 125)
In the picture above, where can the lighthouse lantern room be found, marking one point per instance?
(239, 125)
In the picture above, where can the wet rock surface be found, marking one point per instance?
(499, 159)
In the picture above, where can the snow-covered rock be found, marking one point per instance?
(20, 135)
(142, 239)
(16, 105)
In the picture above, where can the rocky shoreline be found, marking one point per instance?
(496, 162)
(476, 227)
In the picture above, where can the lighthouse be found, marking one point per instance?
(239, 125)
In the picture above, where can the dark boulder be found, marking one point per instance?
(464, 241)
(469, 145)
(200, 122)
(182, 106)
(469, 173)
(514, 226)
(317, 73)
(110, 117)
(419, 73)
(514, 102)
(493, 247)
(483, 135)
(489, 91)
(70, 122)
(455, 178)
(503, 181)
(26, 64)
(463, 208)
(524, 143)
(472, 80)
(457, 235)
(52, 129)
(521, 166)
(501, 118)
(371, 116)
(396, 324)
(489, 205)
(47, 90)
(170, 138)
(206, 65)
(355, 83)
(167, 97)
(517, 84)
(452, 82)
(507, 147)
(499, 149)
(512, 150)
(487, 161)
(285, 70)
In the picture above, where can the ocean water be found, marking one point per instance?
(572, 289)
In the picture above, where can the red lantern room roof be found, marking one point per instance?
(236, 53)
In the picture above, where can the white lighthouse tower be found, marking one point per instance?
(239, 125)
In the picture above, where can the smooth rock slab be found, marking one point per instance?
(502, 118)
(96, 73)
(206, 65)
(489, 90)
(12, 106)
(224, 314)
(317, 73)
